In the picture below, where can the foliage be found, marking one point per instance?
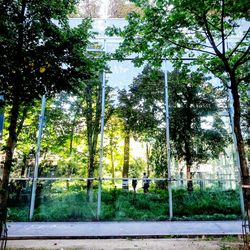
(121, 8)
(177, 28)
(137, 167)
(192, 99)
(87, 8)
(34, 67)
(159, 153)
(204, 30)
(59, 204)
(40, 54)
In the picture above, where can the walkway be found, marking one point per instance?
(64, 230)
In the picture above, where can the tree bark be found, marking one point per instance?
(189, 178)
(188, 159)
(125, 169)
(240, 144)
(90, 175)
(111, 144)
(93, 119)
(148, 158)
(9, 151)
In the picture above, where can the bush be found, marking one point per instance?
(71, 205)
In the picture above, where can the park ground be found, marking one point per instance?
(226, 243)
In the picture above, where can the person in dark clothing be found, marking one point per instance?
(134, 184)
(145, 183)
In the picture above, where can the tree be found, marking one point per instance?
(91, 110)
(126, 114)
(200, 29)
(245, 104)
(142, 110)
(113, 134)
(37, 57)
(87, 8)
(121, 8)
(193, 98)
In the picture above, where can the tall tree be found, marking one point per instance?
(193, 98)
(126, 113)
(200, 29)
(140, 109)
(37, 57)
(91, 108)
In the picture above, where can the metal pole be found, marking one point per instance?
(168, 144)
(231, 115)
(101, 142)
(1, 116)
(34, 184)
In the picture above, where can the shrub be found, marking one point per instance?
(71, 205)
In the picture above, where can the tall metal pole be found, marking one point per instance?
(99, 197)
(168, 144)
(231, 115)
(34, 184)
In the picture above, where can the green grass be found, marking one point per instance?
(119, 205)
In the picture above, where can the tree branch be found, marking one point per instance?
(226, 37)
(20, 125)
(210, 36)
(242, 59)
(222, 27)
(240, 42)
(190, 48)
(220, 77)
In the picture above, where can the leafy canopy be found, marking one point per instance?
(39, 51)
(217, 32)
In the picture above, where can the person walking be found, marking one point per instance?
(145, 183)
(134, 183)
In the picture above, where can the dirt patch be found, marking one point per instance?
(124, 244)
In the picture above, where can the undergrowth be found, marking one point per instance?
(120, 205)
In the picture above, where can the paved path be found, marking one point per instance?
(31, 230)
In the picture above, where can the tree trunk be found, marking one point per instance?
(112, 160)
(93, 129)
(1, 115)
(9, 151)
(188, 159)
(71, 137)
(90, 175)
(240, 145)
(189, 178)
(148, 158)
(126, 159)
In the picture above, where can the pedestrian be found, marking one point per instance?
(145, 183)
(134, 183)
